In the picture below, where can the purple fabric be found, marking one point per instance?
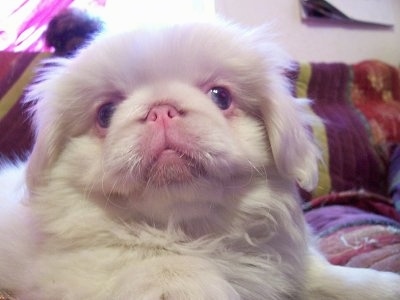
(394, 177)
(353, 161)
(352, 237)
(325, 220)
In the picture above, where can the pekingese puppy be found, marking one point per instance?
(165, 167)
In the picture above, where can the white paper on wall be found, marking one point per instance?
(370, 12)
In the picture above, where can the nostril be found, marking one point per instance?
(163, 111)
(172, 112)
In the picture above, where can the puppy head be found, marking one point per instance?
(179, 112)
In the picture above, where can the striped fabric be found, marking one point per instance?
(352, 211)
(319, 131)
(16, 71)
(359, 110)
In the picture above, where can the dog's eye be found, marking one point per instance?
(104, 114)
(221, 97)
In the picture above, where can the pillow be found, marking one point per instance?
(352, 159)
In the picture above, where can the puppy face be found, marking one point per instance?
(178, 115)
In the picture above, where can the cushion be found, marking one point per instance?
(359, 118)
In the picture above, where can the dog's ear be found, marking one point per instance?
(287, 121)
(45, 150)
(45, 121)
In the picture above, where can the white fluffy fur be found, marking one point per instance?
(106, 213)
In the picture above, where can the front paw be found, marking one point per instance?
(174, 278)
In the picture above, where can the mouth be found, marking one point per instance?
(172, 166)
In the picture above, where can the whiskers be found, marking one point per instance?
(115, 181)
(261, 171)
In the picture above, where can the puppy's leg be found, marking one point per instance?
(329, 282)
(173, 277)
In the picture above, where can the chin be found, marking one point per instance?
(166, 166)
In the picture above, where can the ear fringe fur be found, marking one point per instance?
(44, 119)
(288, 121)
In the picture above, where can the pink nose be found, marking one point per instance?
(162, 112)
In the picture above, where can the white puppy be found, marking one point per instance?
(165, 167)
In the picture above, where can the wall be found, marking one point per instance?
(324, 43)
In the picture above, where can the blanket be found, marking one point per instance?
(352, 211)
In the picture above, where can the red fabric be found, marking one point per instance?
(367, 201)
(376, 93)
(12, 65)
(374, 246)
(375, 81)
(17, 136)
